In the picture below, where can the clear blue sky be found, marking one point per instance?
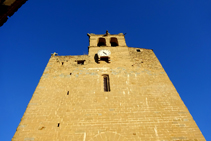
(179, 32)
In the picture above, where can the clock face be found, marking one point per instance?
(104, 52)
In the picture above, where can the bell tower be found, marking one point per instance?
(115, 93)
(107, 47)
(107, 39)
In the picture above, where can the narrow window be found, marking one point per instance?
(114, 42)
(58, 124)
(62, 63)
(67, 92)
(101, 42)
(70, 73)
(106, 83)
(138, 50)
(80, 62)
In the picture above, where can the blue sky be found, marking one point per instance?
(179, 32)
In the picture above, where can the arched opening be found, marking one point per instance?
(106, 83)
(114, 42)
(101, 42)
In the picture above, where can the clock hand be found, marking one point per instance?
(104, 53)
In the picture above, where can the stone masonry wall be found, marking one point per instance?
(69, 103)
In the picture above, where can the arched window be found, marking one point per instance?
(101, 42)
(114, 42)
(106, 83)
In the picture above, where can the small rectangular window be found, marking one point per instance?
(106, 59)
(106, 83)
(138, 50)
(80, 62)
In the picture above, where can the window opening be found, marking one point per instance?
(106, 83)
(105, 58)
(62, 63)
(114, 42)
(70, 73)
(138, 50)
(67, 92)
(80, 62)
(101, 42)
(58, 124)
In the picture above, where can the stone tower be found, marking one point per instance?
(115, 93)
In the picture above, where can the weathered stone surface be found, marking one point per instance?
(70, 104)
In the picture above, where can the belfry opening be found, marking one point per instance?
(114, 42)
(101, 42)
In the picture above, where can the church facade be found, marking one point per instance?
(115, 93)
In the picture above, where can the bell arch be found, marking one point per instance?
(114, 42)
(101, 42)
